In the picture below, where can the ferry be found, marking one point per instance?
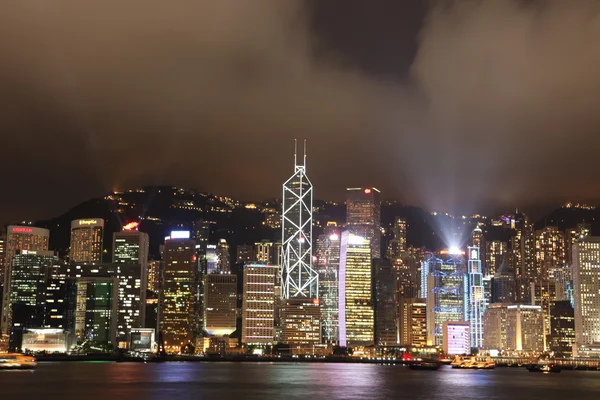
(17, 361)
(482, 363)
(460, 361)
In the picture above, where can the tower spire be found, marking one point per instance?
(305, 154)
(295, 152)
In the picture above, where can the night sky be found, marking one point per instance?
(454, 106)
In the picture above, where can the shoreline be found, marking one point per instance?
(258, 359)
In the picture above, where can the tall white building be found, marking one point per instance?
(298, 277)
(586, 288)
(474, 297)
(258, 307)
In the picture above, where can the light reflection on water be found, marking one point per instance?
(236, 381)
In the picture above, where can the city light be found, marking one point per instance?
(180, 234)
(131, 226)
(454, 250)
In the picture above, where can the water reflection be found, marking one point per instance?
(236, 381)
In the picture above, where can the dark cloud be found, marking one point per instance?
(495, 105)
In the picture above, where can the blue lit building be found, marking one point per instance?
(445, 293)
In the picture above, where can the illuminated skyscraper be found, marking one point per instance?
(586, 287)
(179, 294)
(477, 239)
(266, 252)
(413, 322)
(19, 238)
(86, 240)
(258, 306)
(573, 235)
(130, 285)
(515, 327)
(212, 258)
(327, 265)
(474, 297)
(220, 299)
(399, 230)
(298, 277)
(300, 321)
(363, 216)
(522, 258)
(495, 254)
(549, 250)
(445, 293)
(356, 316)
(26, 292)
(131, 247)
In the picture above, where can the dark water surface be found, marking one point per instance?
(174, 381)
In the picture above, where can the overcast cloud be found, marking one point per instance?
(497, 107)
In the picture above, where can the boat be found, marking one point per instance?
(482, 363)
(17, 361)
(543, 365)
(460, 362)
(429, 365)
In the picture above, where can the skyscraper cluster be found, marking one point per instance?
(320, 287)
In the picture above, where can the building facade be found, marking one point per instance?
(87, 238)
(363, 216)
(179, 294)
(356, 314)
(413, 322)
(327, 265)
(385, 303)
(445, 294)
(220, 299)
(258, 304)
(586, 287)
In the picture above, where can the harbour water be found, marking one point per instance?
(235, 381)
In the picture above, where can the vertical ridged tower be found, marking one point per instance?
(298, 278)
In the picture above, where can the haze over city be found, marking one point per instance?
(460, 106)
